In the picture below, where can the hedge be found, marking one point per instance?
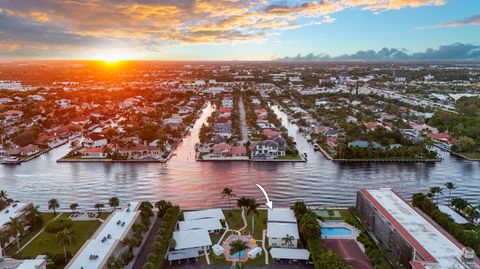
(55, 226)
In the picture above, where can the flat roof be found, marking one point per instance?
(205, 224)
(454, 215)
(11, 211)
(437, 250)
(290, 253)
(280, 230)
(215, 213)
(191, 239)
(23, 264)
(281, 215)
(182, 254)
(116, 226)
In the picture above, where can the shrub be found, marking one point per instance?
(59, 259)
(148, 265)
(55, 226)
(152, 257)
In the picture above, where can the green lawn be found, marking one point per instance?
(234, 218)
(31, 233)
(45, 243)
(104, 215)
(471, 155)
(289, 157)
(260, 224)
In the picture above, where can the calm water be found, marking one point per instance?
(198, 184)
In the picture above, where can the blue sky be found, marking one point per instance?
(230, 30)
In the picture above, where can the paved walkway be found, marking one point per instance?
(212, 266)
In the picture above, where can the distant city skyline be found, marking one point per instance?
(239, 30)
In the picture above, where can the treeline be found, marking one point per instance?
(310, 233)
(163, 241)
(463, 233)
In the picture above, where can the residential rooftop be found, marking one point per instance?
(11, 212)
(438, 251)
(215, 213)
(105, 239)
(281, 215)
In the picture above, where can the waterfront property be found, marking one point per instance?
(414, 240)
(106, 242)
(13, 211)
(282, 228)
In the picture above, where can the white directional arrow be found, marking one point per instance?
(268, 203)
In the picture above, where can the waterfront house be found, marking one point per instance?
(267, 149)
(364, 144)
(238, 151)
(13, 211)
(93, 153)
(222, 149)
(141, 152)
(95, 140)
(277, 232)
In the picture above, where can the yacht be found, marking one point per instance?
(10, 160)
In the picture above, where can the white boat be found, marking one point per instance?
(10, 160)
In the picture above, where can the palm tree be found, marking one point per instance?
(98, 206)
(3, 195)
(436, 191)
(33, 217)
(114, 202)
(288, 240)
(243, 202)
(73, 207)
(252, 209)
(53, 204)
(64, 239)
(238, 246)
(162, 206)
(450, 186)
(16, 228)
(228, 192)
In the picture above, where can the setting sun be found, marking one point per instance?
(111, 57)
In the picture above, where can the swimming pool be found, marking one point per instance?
(239, 255)
(336, 231)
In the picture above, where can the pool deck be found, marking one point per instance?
(246, 238)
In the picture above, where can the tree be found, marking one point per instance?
(436, 191)
(465, 144)
(64, 239)
(162, 206)
(458, 203)
(33, 217)
(53, 204)
(238, 246)
(299, 208)
(228, 192)
(115, 263)
(472, 214)
(98, 206)
(73, 207)
(288, 240)
(252, 209)
(16, 228)
(309, 226)
(450, 186)
(172, 244)
(149, 265)
(243, 202)
(114, 202)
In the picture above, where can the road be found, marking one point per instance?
(243, 121)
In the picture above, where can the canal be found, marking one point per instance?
(199, 184)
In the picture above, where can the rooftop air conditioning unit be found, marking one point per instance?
(468, 256)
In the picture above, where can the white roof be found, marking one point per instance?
(113, 226)
(290, 253)
(12, 211)
(205, 224)
(215, 213)
(433, 241)
(191, 239)
(280, 230)
(454, 215)
(182, 254)
(23, 264)
(281, 215)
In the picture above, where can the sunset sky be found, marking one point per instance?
(229, 29)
